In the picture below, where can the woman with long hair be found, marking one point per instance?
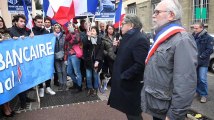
(109, 54)
(4, 34)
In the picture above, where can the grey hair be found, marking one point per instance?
(102, 23)
(175, 7)
(132, 18)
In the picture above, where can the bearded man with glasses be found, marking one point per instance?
(170, 74)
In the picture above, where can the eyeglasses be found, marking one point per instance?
(157, 12)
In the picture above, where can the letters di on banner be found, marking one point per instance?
(16, 6)
(25, 64)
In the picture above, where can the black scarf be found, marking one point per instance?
(130, 33)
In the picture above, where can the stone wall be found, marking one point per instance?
(144, 12)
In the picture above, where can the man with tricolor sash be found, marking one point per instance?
(170, 76)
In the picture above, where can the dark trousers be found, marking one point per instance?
(131, 117)
(83, 72)
(23, 98)
(56, 79)
(107, 67)
(154, 118)
(47, 83)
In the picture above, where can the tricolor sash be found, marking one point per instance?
(162, 36)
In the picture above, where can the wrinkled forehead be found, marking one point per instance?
(161, 6)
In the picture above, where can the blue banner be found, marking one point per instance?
(16, 6)
(25, 64)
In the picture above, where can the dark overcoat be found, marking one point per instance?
(205, 48)
(128, 73)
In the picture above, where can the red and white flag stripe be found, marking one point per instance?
(19, 73)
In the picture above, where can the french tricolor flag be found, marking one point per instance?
(29, 20)
(85, 6)
(119, 14)
(47, 9)
(63, 9)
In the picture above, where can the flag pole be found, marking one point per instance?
(43, 17)
(88, 22)
(30, 24)
(119, 27)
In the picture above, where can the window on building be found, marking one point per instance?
(154, 4)
(132, 9)
(200, 11)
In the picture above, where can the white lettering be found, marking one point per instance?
(24, 54)
(42, 49)
(8, 84)
(17, 56)
(32, 53)
(8, 59)
(37, 51)
(2, 63)
(49, 48)
(1, 88)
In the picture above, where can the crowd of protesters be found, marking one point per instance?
(79, 54)
(160, 80)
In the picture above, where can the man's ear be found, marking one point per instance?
(132, 25)
(171, 16)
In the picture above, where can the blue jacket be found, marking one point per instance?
(205, 47)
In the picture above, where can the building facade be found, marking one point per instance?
(193, 11)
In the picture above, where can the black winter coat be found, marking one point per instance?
(128, 73)
(109, 49)
(205, 48)
(17, 32)
(39, 31)
(91, 53)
